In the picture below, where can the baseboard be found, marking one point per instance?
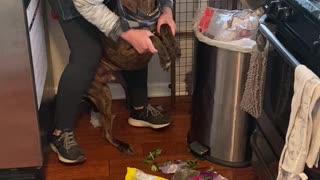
(181, 89)
(154, 90)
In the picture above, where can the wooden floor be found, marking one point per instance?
(104, 162)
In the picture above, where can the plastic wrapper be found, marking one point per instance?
(136, 174)
(172, 167)
(95, 119)
(185, 174)
(209, 176)
(227, 25)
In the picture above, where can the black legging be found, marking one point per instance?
(85, 55)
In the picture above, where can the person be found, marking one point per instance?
(81, 22)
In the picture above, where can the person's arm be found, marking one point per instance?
(101, 16)
(106, 21)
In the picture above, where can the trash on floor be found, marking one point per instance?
(209, 176)
(190, 174)
(185, 173)
(152, 156)
(136, 174)
(171, 167)
(181, 170)
(192, 164)
(168, 167)
(95, 119)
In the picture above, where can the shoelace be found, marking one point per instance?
(69, 140)
(152, 110)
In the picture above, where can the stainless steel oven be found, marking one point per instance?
(293, 29)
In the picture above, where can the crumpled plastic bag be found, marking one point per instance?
(136, 174)
(228, 25)
(209, 176)
(172, 167)
(95, 119)
(185, 173)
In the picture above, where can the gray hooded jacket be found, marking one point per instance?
(98, 12)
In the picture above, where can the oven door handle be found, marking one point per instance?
(276, 43)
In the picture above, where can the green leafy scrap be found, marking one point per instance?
(147, 161)
(152, 156)
(192, 164)
(154, 168)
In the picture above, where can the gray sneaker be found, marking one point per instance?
(148, 117)
(67, 148)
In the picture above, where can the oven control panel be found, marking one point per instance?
(293, 19)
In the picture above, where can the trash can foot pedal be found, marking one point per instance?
(198, 149)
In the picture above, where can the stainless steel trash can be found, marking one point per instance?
(218, 123)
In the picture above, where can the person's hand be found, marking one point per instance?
(167, 18)
(140, 40)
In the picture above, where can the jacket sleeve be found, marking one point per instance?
(166, 3)
(101, 16)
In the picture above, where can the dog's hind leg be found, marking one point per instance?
(100, 95)
(121, 146)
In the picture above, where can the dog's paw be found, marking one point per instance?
(125, 148)
(127, 151)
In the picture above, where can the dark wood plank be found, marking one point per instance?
(244, 174)
(91, 169)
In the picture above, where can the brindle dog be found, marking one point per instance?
(122, 56)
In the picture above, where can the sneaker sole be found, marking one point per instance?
(139, 123)
(64, 160)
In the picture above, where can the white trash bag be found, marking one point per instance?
(227, 29)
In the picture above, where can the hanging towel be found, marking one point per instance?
(313, 155)
(304, 112)
(252, 99)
